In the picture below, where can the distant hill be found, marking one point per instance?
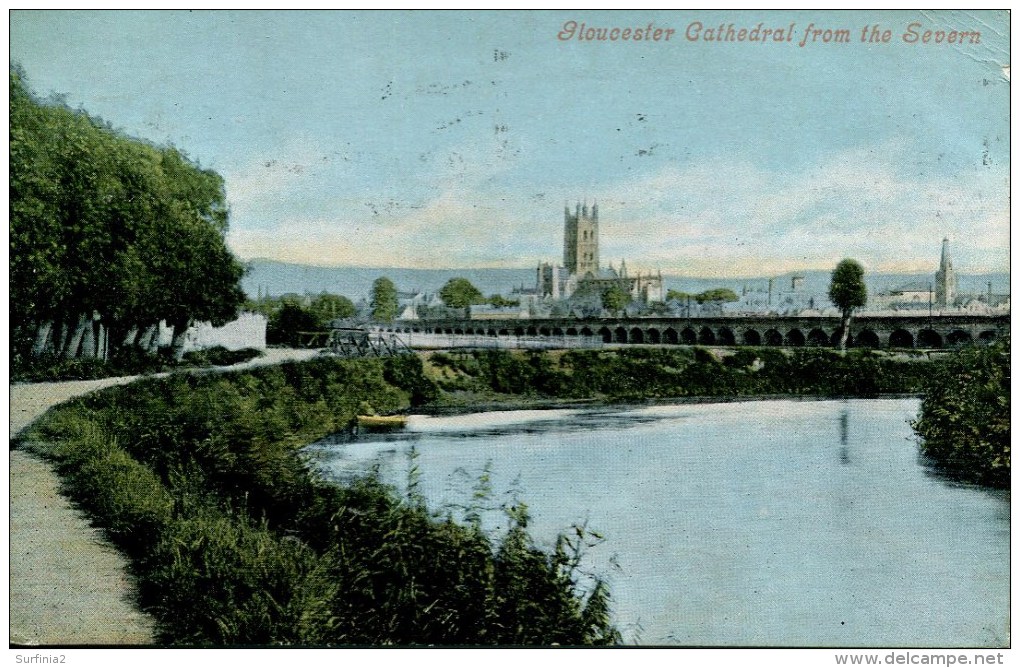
(277, 278)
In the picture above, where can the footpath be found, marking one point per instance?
(68, 584)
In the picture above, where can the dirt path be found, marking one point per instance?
(68, 584)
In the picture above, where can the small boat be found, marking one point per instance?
(381, 422)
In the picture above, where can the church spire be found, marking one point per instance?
(945, 278)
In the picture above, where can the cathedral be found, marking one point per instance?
(581, 272)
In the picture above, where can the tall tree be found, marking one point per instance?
(384, 300)
(847, 292)
(108, 233)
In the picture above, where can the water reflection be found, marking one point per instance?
(844, 449)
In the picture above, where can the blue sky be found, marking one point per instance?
(452, 139)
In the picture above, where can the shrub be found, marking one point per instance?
(964, 418)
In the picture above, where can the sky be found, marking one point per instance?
(454, 139)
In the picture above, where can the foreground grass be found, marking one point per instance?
(197, 479)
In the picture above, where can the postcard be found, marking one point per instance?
(678, 329)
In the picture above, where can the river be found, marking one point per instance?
(760, 523)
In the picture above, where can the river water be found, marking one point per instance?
(763, 523)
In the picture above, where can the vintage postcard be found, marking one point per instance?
(681, 329)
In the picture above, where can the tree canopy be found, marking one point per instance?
(460, 293)
(107, 228)
(615, 298)
(846, 289)
(384, 299)
(848, 292)
(716, 295)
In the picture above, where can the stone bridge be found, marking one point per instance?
(914, 331)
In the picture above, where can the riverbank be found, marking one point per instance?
(197, 479)
(211, 460)
(69, 584)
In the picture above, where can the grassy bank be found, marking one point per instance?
(648, 374)
(197, 479)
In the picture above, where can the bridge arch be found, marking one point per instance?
(726, 337)
(706, 336)
(959, 337)
(795, 337)
(834, 339)
(654, 336)
(518, 331)
(671, 336)
(571, 331)
(901, 338)
(773, 338)
(987, 336)
(532, 331)
(620, 335)
(688, 336)
(504, 332)
(817, 337)
(752, 337)
(929, 338)
(637, 336)
(867, 339)
(607, 336)
(586, 331)
(543, 331)
(492, 332)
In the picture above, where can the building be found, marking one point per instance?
(945, 279)
(581, 275)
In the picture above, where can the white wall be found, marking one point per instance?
(248, 331)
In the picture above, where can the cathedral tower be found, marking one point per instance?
(945, 279)
(581, 240)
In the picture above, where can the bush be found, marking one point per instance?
(964, 418)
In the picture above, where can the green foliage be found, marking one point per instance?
(637, 374)
(102, 223)
(460, 293)
(219, 356)
(285, 325)
(199, 479)
(384, 300)
(123, 362)
(846, 288)
(407, 373)
(615, 298)
(964, 419)
(327, 307)
(678, 295)
(717, 295)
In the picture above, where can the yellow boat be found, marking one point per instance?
(381, 422)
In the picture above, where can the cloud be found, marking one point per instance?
(726, 218)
